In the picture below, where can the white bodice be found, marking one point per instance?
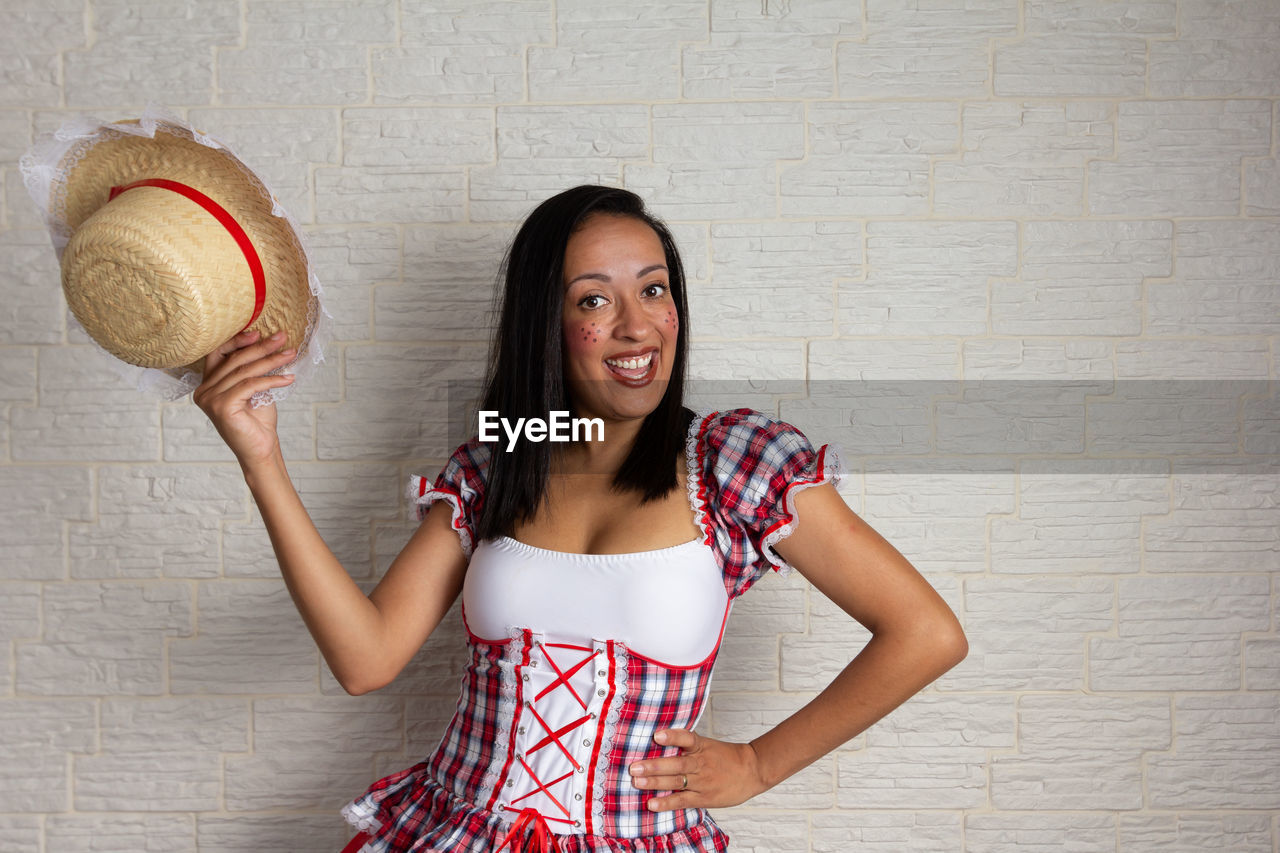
(569, 622)
(667, 605)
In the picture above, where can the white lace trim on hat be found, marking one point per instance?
(44, 170)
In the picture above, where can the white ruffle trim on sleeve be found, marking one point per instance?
(827, 468)
(422, 495)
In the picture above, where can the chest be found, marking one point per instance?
(668, 605)
(583, 515)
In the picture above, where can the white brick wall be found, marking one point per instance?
(1082, 195)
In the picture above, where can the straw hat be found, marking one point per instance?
(169, 245)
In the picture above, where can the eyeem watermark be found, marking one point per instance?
(559, 427)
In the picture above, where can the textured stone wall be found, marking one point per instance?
(872, 195)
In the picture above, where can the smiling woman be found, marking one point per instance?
(583, 281)
(620, 324)
(596, 576)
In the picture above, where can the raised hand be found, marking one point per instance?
(233, 373)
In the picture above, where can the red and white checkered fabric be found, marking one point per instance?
(503, 760)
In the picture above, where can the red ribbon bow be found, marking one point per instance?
(540, 840)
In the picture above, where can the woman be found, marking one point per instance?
(596, 575)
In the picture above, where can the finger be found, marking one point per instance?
(672, 765)
(213, 359)
(683, 738)
(662, 774)
(248, 362)
(672, 801)
(215, 363)
(236, 396)
(667, 782)
(242, 352)
(239, 395)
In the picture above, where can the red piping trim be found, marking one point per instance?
(478, 639)
(595, 751)
(724, 620)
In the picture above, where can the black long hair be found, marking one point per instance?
(526, 365)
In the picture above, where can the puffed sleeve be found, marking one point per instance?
(751, 468)
(461, 484)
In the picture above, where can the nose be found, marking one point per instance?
(632, 320)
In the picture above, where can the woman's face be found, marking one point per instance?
(620, 320)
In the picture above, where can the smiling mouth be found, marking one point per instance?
(634, 371)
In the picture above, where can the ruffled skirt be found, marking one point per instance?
(409, 812)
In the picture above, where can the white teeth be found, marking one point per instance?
(630, 363)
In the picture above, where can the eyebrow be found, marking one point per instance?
(599, 276)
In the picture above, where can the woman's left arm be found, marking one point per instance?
(915, 638)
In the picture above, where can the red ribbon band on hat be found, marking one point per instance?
(227, 221)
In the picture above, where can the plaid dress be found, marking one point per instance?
(743, 472)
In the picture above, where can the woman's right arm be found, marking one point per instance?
(366, 640)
